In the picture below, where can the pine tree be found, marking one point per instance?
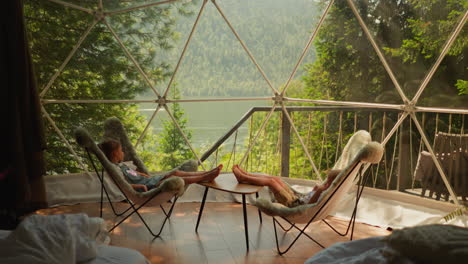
(99, 69)
(172, 146)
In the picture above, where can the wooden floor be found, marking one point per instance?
(220, 237)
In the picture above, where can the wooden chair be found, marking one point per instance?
(452, 152)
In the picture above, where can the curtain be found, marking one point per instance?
(22, 164)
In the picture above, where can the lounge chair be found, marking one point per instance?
(358, 152)
(172, 187)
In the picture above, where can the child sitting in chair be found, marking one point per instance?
(143, 182)
(282, 192)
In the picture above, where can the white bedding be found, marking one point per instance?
(117, 255)
(63, 239)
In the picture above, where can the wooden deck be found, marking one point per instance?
(220, 237)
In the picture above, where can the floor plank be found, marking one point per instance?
(220, 237)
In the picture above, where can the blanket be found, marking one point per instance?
(54, 239)
(431, 244)
(427, 244)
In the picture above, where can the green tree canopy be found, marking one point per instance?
(99, 69)
(172, 146)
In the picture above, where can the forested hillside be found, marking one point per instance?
(215, 64)
(341, 65)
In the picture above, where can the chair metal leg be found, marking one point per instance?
(135, 211)
(162, 225)
(112, 205)
(103, 188)
(164, 211)
(115, 211)
(350, 224)
(285, 229)
(352, 220)
(301, 232)
(173, 204)
(201, 208)
(299, 229)
(132, 206)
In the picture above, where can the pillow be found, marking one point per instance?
(431, 243)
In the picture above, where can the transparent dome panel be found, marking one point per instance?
(275, 32)
(99, 70)
(233, 122)
(155, 36)
(345, 67)
(264, 144)
(119, 6)
(171, 145)
(78, 4)
(325, 130)
(448, 87)
(52, 30)
(63, 118)
(216, 65)
(211, 122)
(299, 163)
(412, 35)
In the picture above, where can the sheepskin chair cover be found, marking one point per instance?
(164, 192)
(114, 129)
(358, 150)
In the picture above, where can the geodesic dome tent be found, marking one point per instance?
(220, 54)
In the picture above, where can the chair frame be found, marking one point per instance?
(360, 187)
(134, 209)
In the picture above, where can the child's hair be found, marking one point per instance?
(331, 174)
(108, 147)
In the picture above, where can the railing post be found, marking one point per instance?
(285, 145)
(404, 161)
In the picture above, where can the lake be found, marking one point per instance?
(209, 121)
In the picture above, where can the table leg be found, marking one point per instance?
(246, 228)
(201, 208)
(259, 212)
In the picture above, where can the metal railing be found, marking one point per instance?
(396, 171)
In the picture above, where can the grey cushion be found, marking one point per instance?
(431, 243)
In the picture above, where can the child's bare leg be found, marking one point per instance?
(251, 174)
(281, 193)
(260, 180)
(206, 177)
(189, 173)
(195, 173)
(274, 178)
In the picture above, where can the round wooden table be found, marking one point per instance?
(227, 182)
